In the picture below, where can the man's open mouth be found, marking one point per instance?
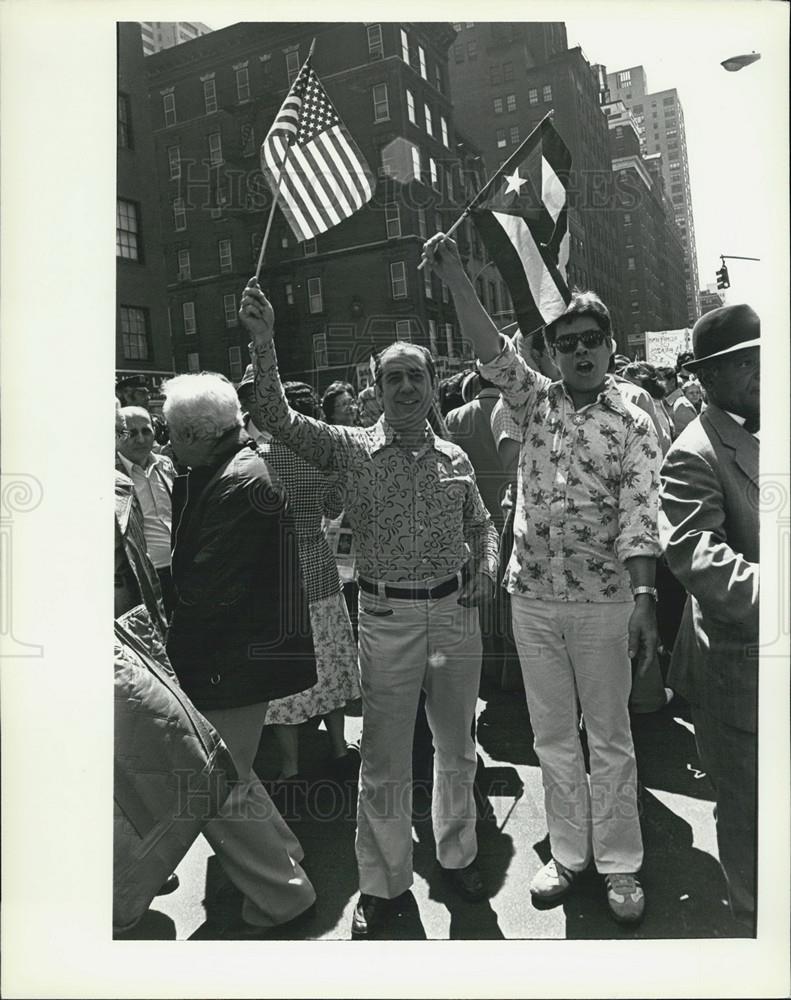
(584, 367)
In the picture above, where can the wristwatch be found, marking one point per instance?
(651, 591)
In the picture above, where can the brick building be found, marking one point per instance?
(504, 78)
(650, 253)
(354, 288)
(660, 124)
(142, 337)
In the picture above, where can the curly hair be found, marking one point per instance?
(205, 403)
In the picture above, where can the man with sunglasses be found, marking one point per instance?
(581, 578)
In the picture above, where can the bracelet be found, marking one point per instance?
(651, 591)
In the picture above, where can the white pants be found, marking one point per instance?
(574, 652)
(407, 645)
(252, 841)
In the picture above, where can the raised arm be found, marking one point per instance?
(316, 442)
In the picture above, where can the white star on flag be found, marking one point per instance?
(515, 182)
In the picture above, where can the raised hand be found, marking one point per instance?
(257, 315)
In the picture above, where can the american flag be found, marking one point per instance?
(312, 163)
(523, 222)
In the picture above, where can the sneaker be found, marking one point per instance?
(552, 882)
(625, 898)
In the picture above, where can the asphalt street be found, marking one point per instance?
(683, 882)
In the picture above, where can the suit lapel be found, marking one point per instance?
(734, 436)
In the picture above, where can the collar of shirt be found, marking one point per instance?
(741, 421)
(383, 435)
(610, 397)
(488, 393)
(255, 433)
(133, 465)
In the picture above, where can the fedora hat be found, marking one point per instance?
(723, 331)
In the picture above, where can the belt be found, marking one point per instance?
(414, 593)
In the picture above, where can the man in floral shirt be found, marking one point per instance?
(580, 577)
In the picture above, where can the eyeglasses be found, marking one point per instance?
(567, 342)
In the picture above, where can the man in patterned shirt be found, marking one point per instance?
(580, 577)
(426, 558)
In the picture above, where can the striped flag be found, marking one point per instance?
(524, 224)
(309, 157)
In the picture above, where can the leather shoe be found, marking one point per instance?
(369, 915)
(468, 882)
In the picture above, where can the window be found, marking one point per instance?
(428, 284)
(671, 133)
(193, 361)
(429, 122)
(532, 95)
(438, 78)
(403, 329)
(675, 188)
(630, 264)
(184, 266)
(292, 65)
(315, 298)
(508, 72)
(188, 315)
(444, 126)
(209, 96)
(174, 162)
(229, 308)
(320, 350)
(127, 230)
(510, 102)
(501, 140)
(458, 53)
(224, 251)
(668, 100)
(625, 78)
(381, 103)
(215, 148)
(375, 45)
(547, 93)
(416, 164)
(514, 135)
(235, 363)
(449, 183)
(288, 292)
(421, 55)
(432, 337)
(432, 169)
(445, 292)
(310, 247)
(472, 50)
(179, 215)
(637, 109)
(169, 108)
(405, 46)
(421, 223)
(627, 218)
(398, 284)
(498, 105)
(247, 139)
(449, 339)
(410, 107)
(124, 123)
(242, 84)
(134, 333)
(675, 165)
(392, 220)
(438, 224)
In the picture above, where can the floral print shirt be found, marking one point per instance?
(414, 517)
(588, 487)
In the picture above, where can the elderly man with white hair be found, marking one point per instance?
(239, 635)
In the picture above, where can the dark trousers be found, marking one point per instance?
(730, 758)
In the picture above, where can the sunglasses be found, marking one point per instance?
(567, 342)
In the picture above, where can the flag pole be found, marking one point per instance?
(265, 240)
(515, 157)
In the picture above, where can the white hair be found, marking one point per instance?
(206, 404)
(136, 411)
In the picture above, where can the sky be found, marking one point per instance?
(736, 123)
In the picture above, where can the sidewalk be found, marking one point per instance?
(684, 887)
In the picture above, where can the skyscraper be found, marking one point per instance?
(660, 123)
(158, 35)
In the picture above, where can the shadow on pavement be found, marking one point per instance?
(504, 729)
(153, 926)
(667, 757)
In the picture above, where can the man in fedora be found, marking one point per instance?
(708, 524)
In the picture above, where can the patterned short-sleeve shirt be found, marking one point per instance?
(588, 487)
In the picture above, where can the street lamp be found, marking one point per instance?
(739, 62)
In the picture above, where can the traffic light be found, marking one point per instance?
(722, 277)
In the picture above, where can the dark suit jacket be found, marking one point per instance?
(240, 632)
(708, 525)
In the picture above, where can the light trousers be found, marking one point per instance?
(252, 841)
(576, 653)
(407, 645)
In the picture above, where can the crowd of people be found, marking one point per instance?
(559, 518)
